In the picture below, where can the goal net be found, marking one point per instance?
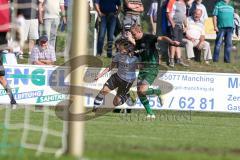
(36, 129)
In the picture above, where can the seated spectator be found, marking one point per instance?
(197, 4)
(43, 53)
(195, 37)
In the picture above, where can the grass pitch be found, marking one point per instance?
(174, 135)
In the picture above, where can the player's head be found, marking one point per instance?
(136, 31)
(124, 46)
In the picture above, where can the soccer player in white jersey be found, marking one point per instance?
(123, 78)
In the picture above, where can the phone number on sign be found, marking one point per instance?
(192, 103)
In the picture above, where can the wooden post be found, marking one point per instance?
(78, 48)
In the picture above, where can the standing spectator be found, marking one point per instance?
(197, 4)
(4, 28)
(195, 36)
(176, 14)
(236, 23)
(223, 16)
(29, 10)
(132, 10)
(43, 53)
(66, 3)
(107, 12)
(49, 14)
(152, 13)
(4, 22)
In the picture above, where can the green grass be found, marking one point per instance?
(173, 135)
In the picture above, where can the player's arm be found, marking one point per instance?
(164, 38)
(109, 68)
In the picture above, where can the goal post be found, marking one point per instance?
(78, 48)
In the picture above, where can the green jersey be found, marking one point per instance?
(149, 57)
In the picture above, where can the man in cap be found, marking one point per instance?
(43, 53)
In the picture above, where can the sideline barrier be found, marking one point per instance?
(195, 91)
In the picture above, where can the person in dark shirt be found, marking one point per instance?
(107, 12)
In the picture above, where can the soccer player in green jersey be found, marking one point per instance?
(149, 59)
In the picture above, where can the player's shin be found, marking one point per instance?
(145, 103)
(152, 91)
(9, 92)
(98, 100)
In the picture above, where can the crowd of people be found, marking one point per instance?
(181, 20)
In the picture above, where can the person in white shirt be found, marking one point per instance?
(195, 37)
(50, 12)
(197, 4)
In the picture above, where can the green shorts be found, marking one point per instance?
(148, 75)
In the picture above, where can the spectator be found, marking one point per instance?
(176, 14)
(152, 13)
(4, 28)
(132, 10)
(53, 10)
(14, 44)
(197, 4)
(195, 36)
(223, 16)
(107, 12)
(29, 10)
(236, 23)
(66, 3)
(4, 23)
(164, 22)
(90, 4)
(43, 53)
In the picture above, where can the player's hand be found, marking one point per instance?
(216, 29)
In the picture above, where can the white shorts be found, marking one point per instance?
(31, 29)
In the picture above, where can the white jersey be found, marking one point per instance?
(126, 66)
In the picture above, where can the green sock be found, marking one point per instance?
(152, 91)
(146, 105)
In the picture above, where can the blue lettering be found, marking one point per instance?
(233, 83)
